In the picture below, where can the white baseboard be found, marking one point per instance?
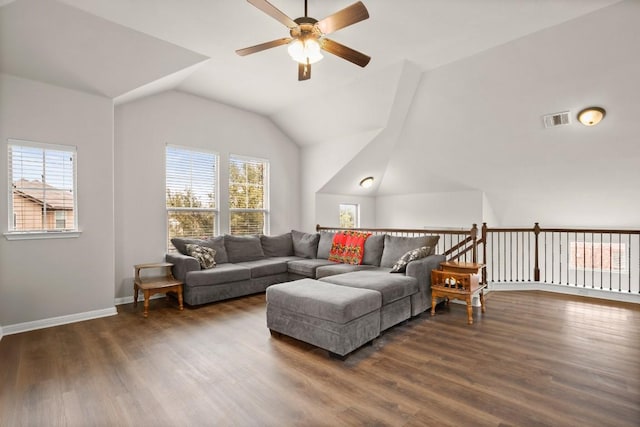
(56, 321)
(567, 289)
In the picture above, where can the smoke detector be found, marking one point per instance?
(557, 119)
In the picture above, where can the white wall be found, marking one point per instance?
(429, 210)
(142, 130)
(328, 209)
(42, 279)
(319, 163)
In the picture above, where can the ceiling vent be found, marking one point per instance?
(557, 119)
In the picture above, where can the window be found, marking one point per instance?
(591, 256)
(61, 219)
(191, 190)
(42, 180)
(349, 216)
(248, 195)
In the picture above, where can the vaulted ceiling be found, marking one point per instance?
(453, 85)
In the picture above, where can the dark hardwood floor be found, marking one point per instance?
(534, 359)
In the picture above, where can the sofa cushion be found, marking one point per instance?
(307, 267)
(331, 270)
(348, 247)
(325, 301)
(324, 244)
(396, 246)
(401, 265)
(266, 266)
(274, 246)
(373, 247)
(305, 245)
(392, 286)
(221, 275)
(215, 243)
(243, 248)
(204, 255)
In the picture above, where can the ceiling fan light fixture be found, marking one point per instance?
(305, 51)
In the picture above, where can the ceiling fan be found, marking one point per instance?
(308, 36)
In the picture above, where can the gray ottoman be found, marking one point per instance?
(336, 318)
(396, 291)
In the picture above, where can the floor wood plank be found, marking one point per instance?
(533, 359)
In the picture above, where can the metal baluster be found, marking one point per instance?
(593, 281)
(492, 256)
(529, 253)
(553, 258)
(499, 257)
(601, 263)
(629, 263)
(584, 260)
(610, 261)
(619, 262)
(517, 257)
(510, 256)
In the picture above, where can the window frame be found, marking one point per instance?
(12, 233)
(216, 188)
(357, 214)
(266, 191)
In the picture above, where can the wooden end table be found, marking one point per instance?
(162, 284)
(457, 280)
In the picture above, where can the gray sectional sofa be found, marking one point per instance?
(251, 264)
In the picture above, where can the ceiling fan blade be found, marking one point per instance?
(304, 71)
(343, 18)
(345, 52)
(263, 46)
(273, 12)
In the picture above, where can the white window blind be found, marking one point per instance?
(191, 190)
(248, 195)
(42, 180)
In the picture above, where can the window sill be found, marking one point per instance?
(37, 235)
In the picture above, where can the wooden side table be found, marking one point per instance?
(155, 284)
(457, 280)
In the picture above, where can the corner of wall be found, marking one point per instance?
(488, 214)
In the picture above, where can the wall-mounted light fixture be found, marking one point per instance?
(366, 182)
(591, 116)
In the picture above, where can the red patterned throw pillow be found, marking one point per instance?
(348, 247)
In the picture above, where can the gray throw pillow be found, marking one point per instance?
(396, 246)
(324, 244)
(373, 247)
(216, 243)
(205, 256)
(401, 265)
(243, 248)
(274, 246)
(305, 245)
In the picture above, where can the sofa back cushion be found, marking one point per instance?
(305, 245)
(324, 244)
(373, 247)
(216, 243)
(395, 247)
(274, 246)
(243, 248)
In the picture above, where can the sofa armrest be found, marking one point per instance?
(182, 264)
(421, 270)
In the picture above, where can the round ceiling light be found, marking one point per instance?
(591, 116)
(366, 182)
